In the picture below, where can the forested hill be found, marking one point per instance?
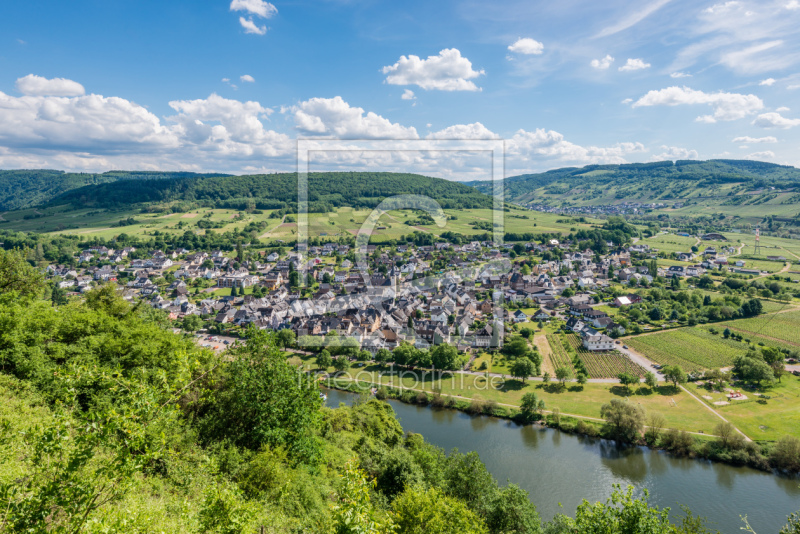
(326, 191)
(26, 188)
(647, 182)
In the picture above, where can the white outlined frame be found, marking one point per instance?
(305, 147)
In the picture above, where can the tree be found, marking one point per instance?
(727, 436)
(526, 270)
(651, 380)
(531, 406)
(341, 364)
(751, 308)
(383, 356)
(753, 368)
(621, 513)
(324, 359)
(726, 333)
(582, 379)
(522, 369)
(420, 511)
(58, 295)
(403, 354)
(655, 424)
(563, 374)
(234, 291)
(655, 314)
(294, 279)
(674, 374)
(513, 512)
(352, 511)
(546, 378)
(445, 357)
(239, 251)
(192, 323)
(627, 380)
(265, 401)
(285, 338)
(516, 347)
(625, 420)
(17, 275)
(785, 454)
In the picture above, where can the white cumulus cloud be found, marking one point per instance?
(602, 63)
(680, 75)
(408, 94)
(783, 109)
(767, 82)
(476, 130)
(533, 148)
(259, 8)
(726, 106)
(526, 45)
(251, 27)
(228, 127)
(91, 123)
(335, 117)
(775, 120)
(766, 154)
(32, 85)
(634, 64)
(675, 153)
(448, 71)
(247, 78)
(748, 139)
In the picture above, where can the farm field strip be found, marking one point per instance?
(692, 348)
(559, 356)
(782, 327)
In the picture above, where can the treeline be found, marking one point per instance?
(326, 191)
(26, 188)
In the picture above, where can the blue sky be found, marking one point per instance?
(229, 85)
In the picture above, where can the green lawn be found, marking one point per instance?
(678, 408)
(769, 419)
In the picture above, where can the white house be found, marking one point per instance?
(598, 342)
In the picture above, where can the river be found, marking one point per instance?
(559, 468)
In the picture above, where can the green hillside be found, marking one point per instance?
(727, 186)
(27, 188)
(326, 191)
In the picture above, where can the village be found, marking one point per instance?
(472, 300)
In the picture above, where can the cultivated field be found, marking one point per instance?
(782, 329)
(692, 348)
(343, 222)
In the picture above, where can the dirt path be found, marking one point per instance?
(2, 219)
(712, 410)
(785, 268)
(783, 249)
(265, 234)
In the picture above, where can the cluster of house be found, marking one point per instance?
(622, 208)
(396, 298)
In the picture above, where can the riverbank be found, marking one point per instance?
(560, 470)
(727, 449)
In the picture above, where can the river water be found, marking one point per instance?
(558, 468)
